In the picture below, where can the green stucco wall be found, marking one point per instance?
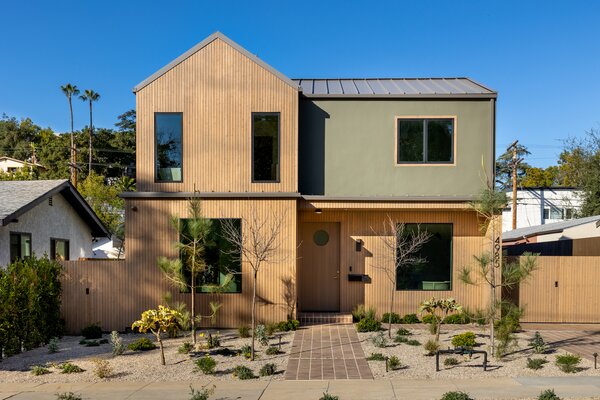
(346, 148)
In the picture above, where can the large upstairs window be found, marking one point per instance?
(425, 141)
(265, 147)
(168, 133)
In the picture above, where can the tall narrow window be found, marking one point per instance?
(168, 132)
(59, 249)
(425, 140)
(20, 245)
(265, 147)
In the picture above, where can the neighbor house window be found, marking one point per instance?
(168, 132)
(59, 249)
(221, 258)
(568, 213)
(553, 213)
(435, 270)
(265, 147)
(425, 140)
(20, 245)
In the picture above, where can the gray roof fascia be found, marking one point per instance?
(399, 199)
(204, 43)
(403, 96)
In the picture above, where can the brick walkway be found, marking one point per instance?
(327, 352)
(583, 342)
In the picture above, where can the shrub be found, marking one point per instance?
(450, 361)
(213, 341)
(431, 346)
(395, 318)
(53, 346)
(206, 364)
(410, 319)
(117, 343)
(261, 335)
(548, 394)
(246, 351)
(506, 326)
(69, 368)
(428, 319)
(456, 396)
(538, 344)
(376, 357)
(91, 343)
(401, 339)
(102, 368)
(327, 396)
(379, 340)
(536, 363)
(103, 341)
(185, 348)
(270, 329)
(268, 370)
(359, 312)
(403, 332)
(568, 362)
(394, 363)
(142, 344)
(244, 331)
(202, 394)
(413, 342)
(242, 372)
(289, 325)
(92, 331)
(371, 313)
(465, 340)
(461, 318)
(39, 370)
(368, 325)
(67, 396)
(273, 351)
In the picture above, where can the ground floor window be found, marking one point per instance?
(59, 249)
(435, 271)
(20, 245)
(221, 258)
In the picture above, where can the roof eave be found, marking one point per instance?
(402, 96)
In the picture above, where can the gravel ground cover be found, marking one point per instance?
(415, 364)
(143, 365)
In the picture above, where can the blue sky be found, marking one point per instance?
(541, 56)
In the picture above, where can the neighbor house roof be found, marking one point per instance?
(18, 197)
(20, 161)
(394, 87)
(555, 227)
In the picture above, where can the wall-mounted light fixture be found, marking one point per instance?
(359, 244)
(134, 208)
(318, 211)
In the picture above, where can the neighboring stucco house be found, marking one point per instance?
(46, 217)
(542, 205)
(10, 165)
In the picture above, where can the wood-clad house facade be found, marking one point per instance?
(332, 172)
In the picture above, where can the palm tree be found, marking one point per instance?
(70, 91)
(91, 96)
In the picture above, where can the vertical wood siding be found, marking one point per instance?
(217, 89)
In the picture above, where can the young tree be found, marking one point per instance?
(70, 90)
(257, 246)
(185, 270)
(91, 97)
(444, 306)
(401, 252)
(158, 321)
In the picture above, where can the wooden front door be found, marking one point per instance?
(320, 266)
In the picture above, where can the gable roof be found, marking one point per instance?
(394, 87)
(18, 197)
(20, 161)
(555, 227)
(200, 46)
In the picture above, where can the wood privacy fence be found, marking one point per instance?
(563, 289)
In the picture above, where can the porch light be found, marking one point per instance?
(318, 211)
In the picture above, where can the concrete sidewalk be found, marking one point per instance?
(396, 389)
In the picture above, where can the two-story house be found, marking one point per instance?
(331, 159)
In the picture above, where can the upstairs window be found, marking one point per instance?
(265, 147)
(20, 245)
(425, 140)
(168, 133)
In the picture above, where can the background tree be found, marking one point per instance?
(70, 90)
(401, 252)
(504, 167)
(541, 177)
(90, 96)
(258, 246)
(104, 200)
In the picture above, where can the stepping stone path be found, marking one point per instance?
(327, 352)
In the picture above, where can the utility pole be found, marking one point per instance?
(515, 162)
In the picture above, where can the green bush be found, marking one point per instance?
(548, 394)
(538, 344)
(394, 363)
(413, 342)
(242, 372)
(460, 319)
(327, 396)
(401, 339)
(536, 363)
(39, 370)
(368, 325)
(69, 368)
(67, 396)
(359, 312)
(465, 340)
(185, 348)
(379, 340)
(53, 346)
(246, 351)
(213, 341)
(568, 362)
(428, 319)
(395, 318)
(451, 361)
(376, 357)
(431, 346)
(289, 325)
(90, 343)
(92, 331)
(268, 370)
(410, 319)
(261, 335)
(142, 344)
(30, 292)
(244, 331)
(456, 396)
(403, 332)
(202, 394)
(206, 364)
(273, 351)
(270, 329)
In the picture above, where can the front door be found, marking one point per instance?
(320, 266)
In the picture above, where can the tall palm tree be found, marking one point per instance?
(70, 91)
(90, 96)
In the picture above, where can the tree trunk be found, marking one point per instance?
(91, 131)
(438, 328)
(391, 309)
(492, 311)
(72, 169)
(193, 296)
(162, 351)
(253, 313)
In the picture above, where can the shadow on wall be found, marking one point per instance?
(311, 148)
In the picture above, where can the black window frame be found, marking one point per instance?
(425, 121)
(156, 180)
(53, 241)
(278, 179)
(20, 234)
